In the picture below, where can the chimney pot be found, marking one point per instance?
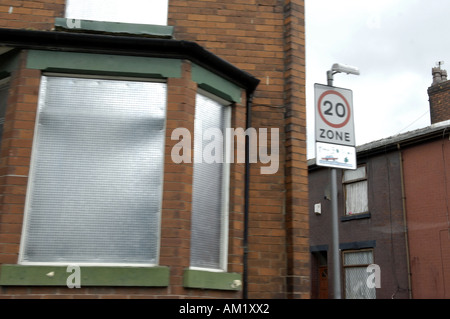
(437, 77)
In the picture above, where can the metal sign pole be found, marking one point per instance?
(335, 223)
(335, 236)
(335, 148)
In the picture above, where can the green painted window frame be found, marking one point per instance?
(36, 275)
(215, 84)
(202, 279)
(103, 64)
(131, 66)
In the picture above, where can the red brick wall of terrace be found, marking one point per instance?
(427, 191)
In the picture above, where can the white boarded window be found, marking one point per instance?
(209, 230)
(95, 185)
(355, 186)
(356, 275)
(129, 11)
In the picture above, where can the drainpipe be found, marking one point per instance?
(405, 225)
(248, 121)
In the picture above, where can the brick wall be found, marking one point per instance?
(264, 38)
(31, 15)
(15, 157)
(427, 177)
(439, 97)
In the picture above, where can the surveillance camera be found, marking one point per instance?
(342, 68)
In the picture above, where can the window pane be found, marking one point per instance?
(356, 284)
(358, 173)
(208, 216)
(356, 277)
(356, 198)
(130, 11)
(358, 258)
(96, 177)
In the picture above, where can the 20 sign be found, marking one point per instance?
(334, 115)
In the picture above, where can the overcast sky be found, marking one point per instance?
(394, 43)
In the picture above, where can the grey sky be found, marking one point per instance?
(394, 43)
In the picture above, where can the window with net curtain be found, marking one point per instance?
(130, 11)
(209, 230)
(356, 196)
(356, 275)
(95, 183)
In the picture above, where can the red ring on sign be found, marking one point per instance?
(346, 103)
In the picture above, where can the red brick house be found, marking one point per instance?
(393, 213)
(91, 96)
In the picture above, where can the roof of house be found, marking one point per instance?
(437, 130)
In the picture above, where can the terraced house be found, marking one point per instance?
(393, 213)
(107, 110)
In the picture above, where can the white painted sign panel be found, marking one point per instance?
(334, 115)
(334, 155)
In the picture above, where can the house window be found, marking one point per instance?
(4, 85)
(95, 184)
(356, 275)
(209, 233)
(130, 11)
(355, 186)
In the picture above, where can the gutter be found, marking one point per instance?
(127, 45)
(405, 223)
(248, 121)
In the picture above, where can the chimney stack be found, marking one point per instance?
(439, 95)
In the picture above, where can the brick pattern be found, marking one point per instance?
(265, 38)
(30, 15)
(175, 223)
(439, 97)
(427, 196)
(15, 158)
(176, 213)
(297, 222)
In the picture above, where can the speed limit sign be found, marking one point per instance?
(334, 115)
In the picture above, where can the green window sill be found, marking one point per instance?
(212, 280)
(27, 275)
